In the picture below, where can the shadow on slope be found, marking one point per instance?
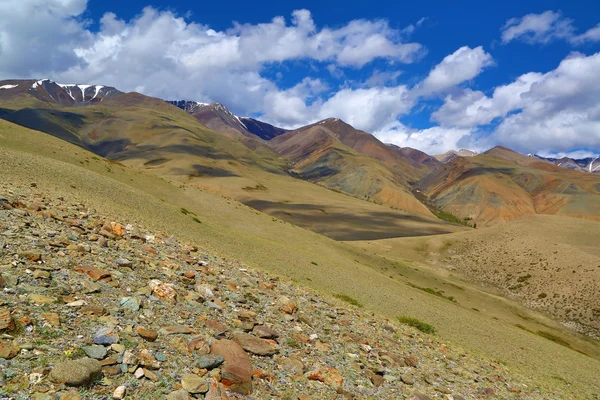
(345, 227)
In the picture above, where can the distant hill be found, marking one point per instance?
(336, 155)
(501, 185)
(589, 164)
(452, 154)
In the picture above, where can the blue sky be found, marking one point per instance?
(432, 75)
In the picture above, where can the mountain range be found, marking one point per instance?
(193, 142)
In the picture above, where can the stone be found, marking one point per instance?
(286, 305)
(333, 377)
(265, 332)
(124, 263)
(31, 255)
(94, 273)
(146, 334)
(76, 304)
(147, 360)
(92, 310)
(41, 274)
(7, 321)
(419, 396)
(292, 366)
(161, 290)
(209, 361)
(106, 336)
(52, 318)
(216, 391)
(120, 392)
(256, 345)
(76, 373)
(173, 330)
(236, 371)
(95, 351)
(9, 350)
(180, 394)
(150, 375)
(130, 303)
(139, 373)
(205, 291)
(198, 345)
(486, 392)
(411, 361)
(375, 378)
(70, 395)
(407, 379)
(194, 384)
(41, 299)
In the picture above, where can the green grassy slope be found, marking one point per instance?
(233, 230)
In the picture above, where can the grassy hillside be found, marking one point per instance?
(234, 230)
(556, 269)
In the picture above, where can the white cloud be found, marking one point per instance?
(161, 54)
(36, 35)
(462, 65)
(557, 111)
(434, 140)
(591, 35)
(468, 108)
(545, 27)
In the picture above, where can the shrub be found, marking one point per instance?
(348, 299)
(420, 325)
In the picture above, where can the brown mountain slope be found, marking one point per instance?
(501, 185)
(322, 153)
(418, 159)
(153, 135)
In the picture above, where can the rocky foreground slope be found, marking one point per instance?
(99, 309)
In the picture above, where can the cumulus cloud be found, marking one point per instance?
(462, 65)
(37, 36)
(434, 140)
(544, 28)
(556, 111)
(162, 54)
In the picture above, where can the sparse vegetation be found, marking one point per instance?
(258, 187)
(438, 293)
(416, 323)
(348, 299)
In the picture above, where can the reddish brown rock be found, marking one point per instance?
(255, 345)
(94, 273)
(163, 291)
(329, 376)
(265, 332)
(176, 330)
(8, 350)
(216, 391)
(198, 345)
(31, 255)
(146, 334)
(6, 319)
(286, 305)
(236, 371)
